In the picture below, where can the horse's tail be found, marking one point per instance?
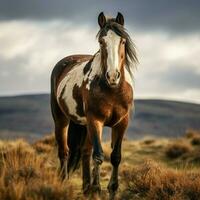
(76, 138)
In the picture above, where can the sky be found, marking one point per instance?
(35, 35)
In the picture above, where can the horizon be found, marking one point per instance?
(135, 99)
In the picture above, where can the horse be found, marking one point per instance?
(89, 92)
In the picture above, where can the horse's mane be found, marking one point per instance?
(130, 49)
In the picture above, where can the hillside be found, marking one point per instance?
(30, 117)
(159, 169)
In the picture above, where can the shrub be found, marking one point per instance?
(45, 145)
(195, 140)
(25, 175)
(148, 141)
(42, 147)
(152, 181)
(177, 150)
(190, 133)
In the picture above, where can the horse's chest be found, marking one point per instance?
(117, 113)
(111, 108)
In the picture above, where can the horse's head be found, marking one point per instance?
(116, 48)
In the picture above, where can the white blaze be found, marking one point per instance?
(112, 41)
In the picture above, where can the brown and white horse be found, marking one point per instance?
(90, 92)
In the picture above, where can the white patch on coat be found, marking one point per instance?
(76, 77)
(65, 90)
(112, 41)
(94, 70)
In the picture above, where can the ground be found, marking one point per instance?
(151, 168)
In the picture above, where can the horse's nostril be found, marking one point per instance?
(118, 75)
(107, 75)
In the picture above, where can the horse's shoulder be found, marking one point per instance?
(65, 65)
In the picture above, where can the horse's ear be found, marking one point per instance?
(101, 20)
(120, 19)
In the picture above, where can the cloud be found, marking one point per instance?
(180, 16)
(27, 55)
(169, 66)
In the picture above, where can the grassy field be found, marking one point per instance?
(151, 169)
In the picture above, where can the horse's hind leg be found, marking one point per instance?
(61, 131)
(86, 155)
(117, 136)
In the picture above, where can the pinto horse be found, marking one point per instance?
(90, 92)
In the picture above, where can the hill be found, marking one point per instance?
(160, 169)
(29, 116)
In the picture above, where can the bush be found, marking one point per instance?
(45, 145)
(177, 150)
(152, 181)
(190, 133)
(195, 140)
(148, 141)
(25, 175)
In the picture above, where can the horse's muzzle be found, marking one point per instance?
(113, 78)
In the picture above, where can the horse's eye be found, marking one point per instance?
(123, 41)
(100, 42)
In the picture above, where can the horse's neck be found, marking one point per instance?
(128, 77)
(96, 65)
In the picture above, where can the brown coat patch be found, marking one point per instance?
(87, 66)
(109, 105)
(77, 95)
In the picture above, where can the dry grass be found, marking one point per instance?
(153, 181)
(177, 149)
(190, 133)
(107, 151)
(148, 141)
(45, 145)
(29, 172)
(26, 175)
(195, 140)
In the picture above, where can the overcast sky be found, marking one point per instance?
(35, 34)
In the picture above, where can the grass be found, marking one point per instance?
(154, 181)
(177, 149)
(151, 168)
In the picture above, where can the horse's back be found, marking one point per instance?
(64, 66)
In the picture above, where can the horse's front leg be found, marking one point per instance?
(86, 156)
(117, 136)
(95, 131)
